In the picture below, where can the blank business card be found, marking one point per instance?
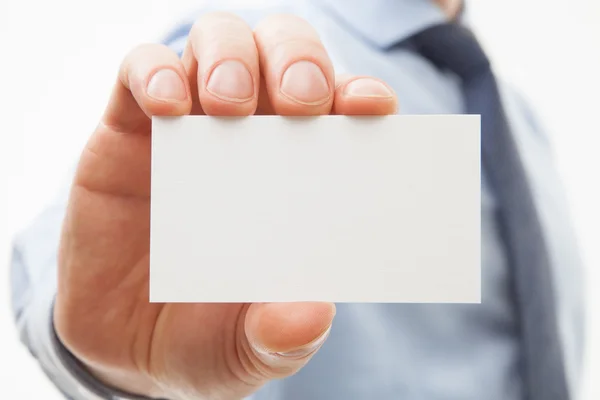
(332, 208)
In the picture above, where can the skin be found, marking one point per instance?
(102, 313)
(450, 7)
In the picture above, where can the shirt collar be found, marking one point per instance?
(385, 23)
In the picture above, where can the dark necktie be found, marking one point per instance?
(453, 47)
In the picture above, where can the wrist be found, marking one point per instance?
(127, 384)
(101, 382)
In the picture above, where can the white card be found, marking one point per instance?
(341, 209)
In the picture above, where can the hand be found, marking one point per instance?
(102, 313)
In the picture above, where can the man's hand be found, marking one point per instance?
(102, 312)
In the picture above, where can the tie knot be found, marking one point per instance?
(452, 46)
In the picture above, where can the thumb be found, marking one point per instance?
(284, 336)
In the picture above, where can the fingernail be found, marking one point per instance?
(300, 352)
(305, 83)
(231, 81)
(366, 87)
(166, 84)
(308, 348)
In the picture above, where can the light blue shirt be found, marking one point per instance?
(403, 351)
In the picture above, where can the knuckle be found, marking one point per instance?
(218, 16)
(284, 35)
(285, 23)
(244, 367)
(294, 45)
(147, 53)
(221, 34)
(144, 58)
(141, 50)
(281, 53)
(217, 22)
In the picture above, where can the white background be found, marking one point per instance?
(58, 60)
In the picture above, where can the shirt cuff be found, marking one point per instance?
(68, 374)
(86, 381)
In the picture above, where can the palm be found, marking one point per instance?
(108, 221)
